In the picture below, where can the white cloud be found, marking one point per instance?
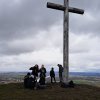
(84, 52)
(47, 56)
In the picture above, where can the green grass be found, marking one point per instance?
(52, 92)
(93, 83)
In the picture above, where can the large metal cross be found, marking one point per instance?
(66, 10)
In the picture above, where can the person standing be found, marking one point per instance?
(52, 75)
(35, 71)
(42, 74)
(60, 72)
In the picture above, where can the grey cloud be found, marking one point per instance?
(81, 24)
(21, 20)
(27, 18)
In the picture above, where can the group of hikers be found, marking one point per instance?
(31, 79)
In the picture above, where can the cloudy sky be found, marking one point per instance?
(32, 34)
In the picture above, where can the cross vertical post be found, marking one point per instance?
(66, 42)
(66, 10)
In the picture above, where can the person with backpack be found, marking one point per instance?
(60, 72)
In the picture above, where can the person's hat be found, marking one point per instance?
(28, 73)
(52, 68)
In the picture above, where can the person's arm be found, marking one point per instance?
(45, 70)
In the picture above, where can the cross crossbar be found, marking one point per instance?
(55, 6)
(62, 8)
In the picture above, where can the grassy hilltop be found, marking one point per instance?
(15, 91)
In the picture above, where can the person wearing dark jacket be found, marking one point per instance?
(42, 71)
(52, 75)
(35, 70)
(26, 79)
(71, 84)
(42, 74)
(32, 82)
(60, 72)
(42, 80)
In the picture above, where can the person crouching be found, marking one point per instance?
(26, 79)
(32, 82)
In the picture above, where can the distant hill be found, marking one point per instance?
(85, 74)
(70, 73)
(80, 77)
